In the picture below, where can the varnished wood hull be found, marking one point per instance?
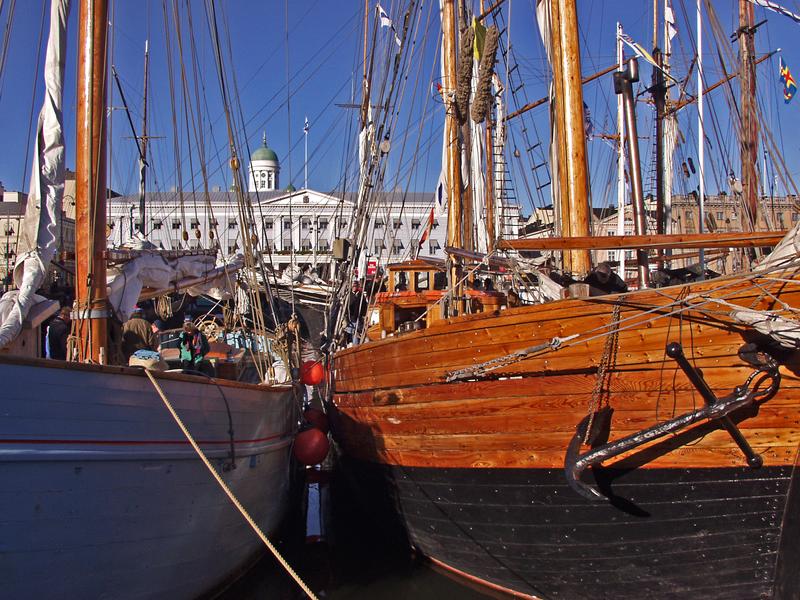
(477, 466)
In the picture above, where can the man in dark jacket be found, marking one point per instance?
(137, 334)
(58, 333)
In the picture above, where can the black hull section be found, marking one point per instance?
(705, 533)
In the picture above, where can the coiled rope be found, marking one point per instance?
(227, 490)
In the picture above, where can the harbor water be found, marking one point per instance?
(346, 553)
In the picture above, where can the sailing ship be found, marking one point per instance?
(597, 445)
(103, 494)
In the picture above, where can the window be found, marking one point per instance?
(435, 223)
(415, 223)
(628, 254)
(379, 246)
(397, 247)
(10, 230)
(195, 224)
(720, 216)
(9, 253)
(232, 224)
(176, 224)
(305, 223)
(322, 224)
(267, 224)
(795, 217)
(156, 224)
(271, 180)
(305, 246)
(341, 223)
(780, 220)
(689, 215)
(137, 225)
(433, 246)
(397, 223)
(323, 245)
(232, 248)
(287, 225)
(612, 256)
(378, 224)
(262, 185)
(214, 222)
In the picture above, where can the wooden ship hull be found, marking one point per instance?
(489, 472)
(103, 496)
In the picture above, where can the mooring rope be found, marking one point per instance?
(227, 490)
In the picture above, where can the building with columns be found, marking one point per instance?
(294, 226)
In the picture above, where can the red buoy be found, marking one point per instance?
(312, 372)
(311, 446)
(316, 418)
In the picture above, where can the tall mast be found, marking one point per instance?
(143, 155)
(668, 126)
(620, 154)
(90, 184)
(569, 121)
(701, 135)
(453, 158)
(749, 133)
(491, 234)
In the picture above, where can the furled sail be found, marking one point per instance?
(196, 274)
(37, 243)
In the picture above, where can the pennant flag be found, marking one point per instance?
(669, 19)
(427, 231)
(789, 85)
(588, 126)
(387, 22)
(639, 50)
(773, 6)
(480, 38)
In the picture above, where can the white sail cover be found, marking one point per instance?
(214, 279)
(37, 242)
(785, 254)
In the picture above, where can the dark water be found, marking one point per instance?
(361, 558)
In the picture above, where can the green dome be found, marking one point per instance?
(291, 188)
(264, 153)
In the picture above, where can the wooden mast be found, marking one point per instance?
(569, 122)
(90, 184)
(491, 235)
(453, 166)
(143, 156)
(749, 133)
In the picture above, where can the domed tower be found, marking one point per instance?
(264, 169)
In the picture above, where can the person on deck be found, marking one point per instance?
(194, 346)
(58, 333)
(157, 328)
(137, 334)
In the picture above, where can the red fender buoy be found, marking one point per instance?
(311, 446)
(316, 418)
(312, 372)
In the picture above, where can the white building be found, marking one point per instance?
(297, 226)
(264, 169)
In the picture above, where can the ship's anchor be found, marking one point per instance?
(716, 409)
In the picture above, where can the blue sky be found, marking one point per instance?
(324, 65)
